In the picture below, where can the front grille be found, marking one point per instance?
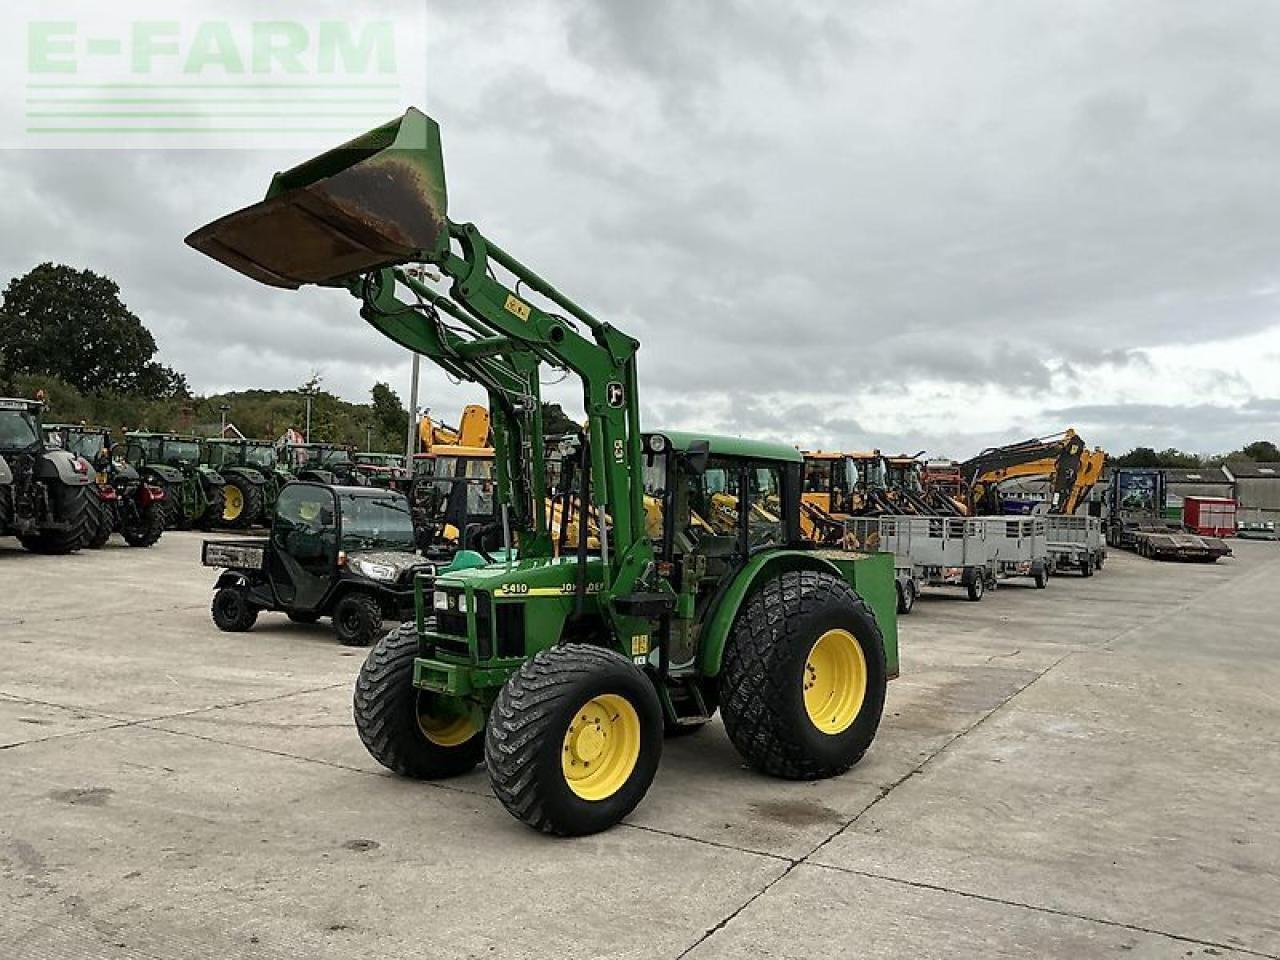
(510, 630)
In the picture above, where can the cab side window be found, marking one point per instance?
(765, 521)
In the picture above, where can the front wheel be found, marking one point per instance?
(573, 740)
(802, 685)
(148, 526)
(409, 731)
(357, 620)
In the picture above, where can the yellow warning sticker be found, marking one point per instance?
(639, 644)
(517, 306)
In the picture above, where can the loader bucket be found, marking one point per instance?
(376, 201)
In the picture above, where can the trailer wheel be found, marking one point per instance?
(976, 586)
(802, 685)
(573, 740)
(409, 731)
(906, 597)
(232, 610)
(1086, 567)
(357, 619)
(1100, 560)
(1041, 577)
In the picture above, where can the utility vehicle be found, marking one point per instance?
(340, 552)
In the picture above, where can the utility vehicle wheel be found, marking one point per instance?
(232, 610)
(212, 516)
(1086, 567)
(410, 731)
(906, 597)
(148, 528)
(241, 503)
(802, 685)
(573, 740)
(99, 523)
(976, 586)
(357, 619)
(300, 616)
(72, 506)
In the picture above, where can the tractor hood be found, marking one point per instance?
(522, 577)
(376, 201)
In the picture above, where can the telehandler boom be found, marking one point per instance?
(562, 671)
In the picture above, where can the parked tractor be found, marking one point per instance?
(340, 552)
(193, 494)
(385, 470)
(321, 463)
(46, 495)
(253, 476)
(124, 504)
(561, 670)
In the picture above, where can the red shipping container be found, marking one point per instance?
(1209, 516)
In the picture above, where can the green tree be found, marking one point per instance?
(390, 418)
(1262, 451)
(71, 324)
(555, 420)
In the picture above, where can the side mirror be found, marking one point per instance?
(694, 460)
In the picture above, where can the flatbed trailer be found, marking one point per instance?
(1075, 543)
(1175, 545)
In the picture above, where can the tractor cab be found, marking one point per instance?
(194, 493)
(342, 552)
(320, 463)
(385, 470)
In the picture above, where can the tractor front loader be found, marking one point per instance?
(561, 669)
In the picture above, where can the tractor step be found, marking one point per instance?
(684, 703)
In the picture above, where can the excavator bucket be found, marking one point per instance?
(376, 201)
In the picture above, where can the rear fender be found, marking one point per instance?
(719, 620)
(248, 474)
(210, 477)
(65, 467)
(161, 472)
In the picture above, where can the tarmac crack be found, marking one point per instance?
(1052, 911)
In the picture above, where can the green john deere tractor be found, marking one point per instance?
(681, 586)
(193, 494)
(253, 476)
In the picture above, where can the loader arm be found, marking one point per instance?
(362, 216)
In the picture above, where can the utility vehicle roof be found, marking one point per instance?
(733, 446)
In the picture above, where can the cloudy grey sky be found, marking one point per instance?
(919, 224)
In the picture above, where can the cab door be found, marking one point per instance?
(303, 559)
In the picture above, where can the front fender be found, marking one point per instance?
(65, 467)
(871, 575)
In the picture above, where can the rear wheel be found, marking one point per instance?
(573, 740)
(357, 619)
(73, 507)
(147, 528)
(242, 503)
(409, 731)
(803, 682)
(232, 611)
(99, 523)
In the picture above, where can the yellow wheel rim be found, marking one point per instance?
(232, 503)
(444, 730)
(835, 681)
(601, 747)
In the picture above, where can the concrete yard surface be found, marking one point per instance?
(1090, 770)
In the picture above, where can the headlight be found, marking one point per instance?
(374, 571)
(462, 603)
(455, 602)
(440, 600)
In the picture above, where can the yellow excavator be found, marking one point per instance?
(1071, 468)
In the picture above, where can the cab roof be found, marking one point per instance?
(732, 446)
